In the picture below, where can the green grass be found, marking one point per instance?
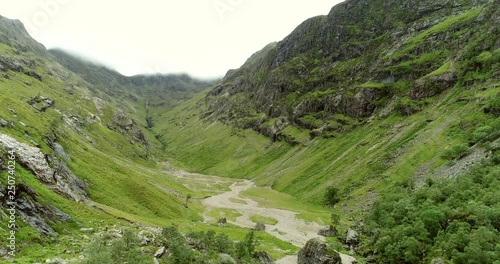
(275, 247)
(274, 199)
(230, 214)
(263, 219)
(367, 161)
(444, 25)
(236, 200)
(447, 67)
(372, 85)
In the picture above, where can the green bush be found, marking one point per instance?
(455, 220)
(246, 248)
(205, 247)
(332, 196)
(456, 152)
(123, 250)
(493, 106)
(481, 133)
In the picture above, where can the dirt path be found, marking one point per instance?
(288, 228)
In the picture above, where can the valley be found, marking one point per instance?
(378, 124)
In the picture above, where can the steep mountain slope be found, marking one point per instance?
(81, 157)
(337, 70)
(79, 162)
(379, 100)
(142, 91)
(370, 87)
(365, 114)
(166, 87)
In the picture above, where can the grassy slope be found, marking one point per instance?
(121, 182)
(364, 163)
(123, 185)
(378, 154)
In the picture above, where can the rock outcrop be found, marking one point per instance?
(352, 62)
(260, 226)
(262, 257)
(352, 237)
(32, 211)
(316, 252)
(330, 231)
(41, 103)
(59, 177)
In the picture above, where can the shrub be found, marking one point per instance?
(456, 152)
(204, 247)
(246, 248)
(122, 250)
(332, 196)
(455, 220)
(493, 106)
(481, 133)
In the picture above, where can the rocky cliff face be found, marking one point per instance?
(336, 70)
(58, 177)
(14, 34)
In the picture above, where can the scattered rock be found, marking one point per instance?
(437, 261)
(56, 260)
(260, 226)
(4, 123)
(316, 252)
(226, 259)
(41, 103)
(330, 231)
(34, 75)
(160, 252)
(156, 261)
(3, 251)
(263, 257)
(146, 237)
(352, 237)
(352, 251)
(87, 230)
(222, 221)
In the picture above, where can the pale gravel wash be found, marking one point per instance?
(288, 228)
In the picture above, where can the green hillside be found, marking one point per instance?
(380, 118)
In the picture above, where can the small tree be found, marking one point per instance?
(121, 250)
(332, 196)
(246, 248)
(335, 218)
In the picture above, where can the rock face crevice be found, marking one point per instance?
(58, 177)
(31, 210)
(52, 171)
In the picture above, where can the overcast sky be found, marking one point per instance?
(204, 38)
